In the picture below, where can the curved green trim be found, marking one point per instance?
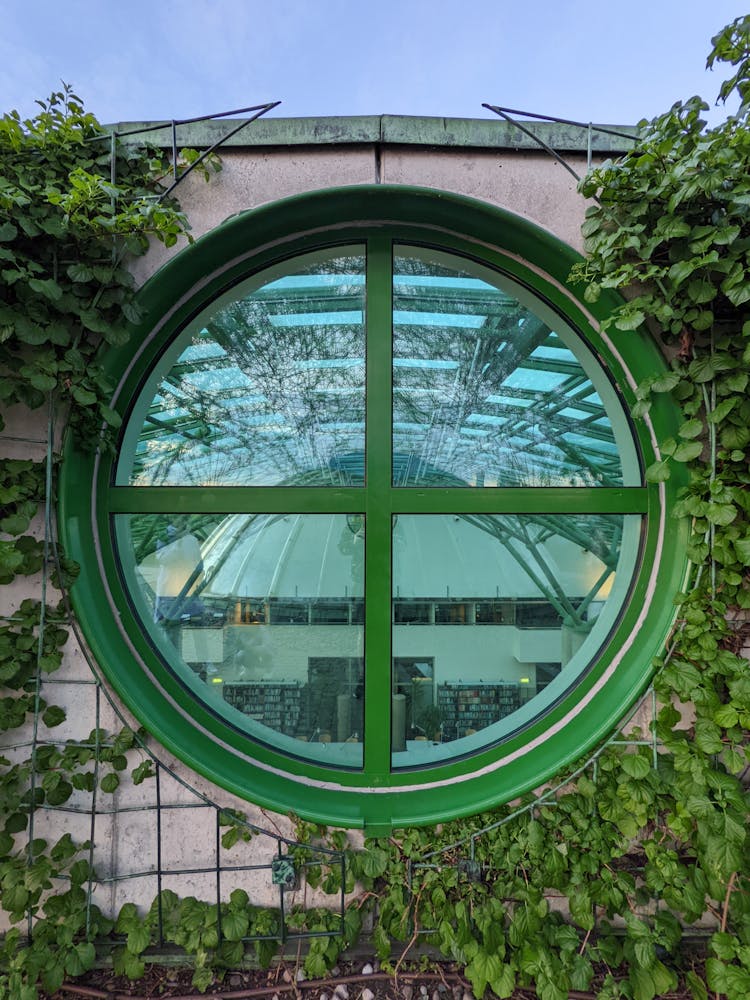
(374, 797)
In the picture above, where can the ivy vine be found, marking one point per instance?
(596, 886)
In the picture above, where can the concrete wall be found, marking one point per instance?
(530, 184)
(508, 171)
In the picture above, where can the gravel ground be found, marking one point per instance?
(354, 981)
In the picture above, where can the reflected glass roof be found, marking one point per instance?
(269, 388)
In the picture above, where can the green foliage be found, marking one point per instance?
(671, 223)
(65, 230)
(636, 847)
(65, 227)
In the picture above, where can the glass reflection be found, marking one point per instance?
(488, 393)
(494, 616)
(267, 386)
(262, 616)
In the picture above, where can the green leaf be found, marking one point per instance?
(144, 770)
(47, 287)
(721, 513)
(30, 333)
(708, 737)
(230, 837)
(703, 369)
(739, 294)
(110, 782)
(127, 918)
(15, 898)
(643, 950)
(16, 822)
(735, 437)
(736, 382)
(504, 984)
(132, 312)
(659, 472)
(483, 969)
(80, 872)
(691, 428)
(80, 273)
(723, 856)
(83, 396)
(629, 320)
(687, 451)
(668, 447)
(374, 861)
(42, 382)
(139, 938)
(726, 716)
(110, 416)
(238, 899)
(60, 793)
(665, 383)
(635, 765)
(681, 270)
(701, 290)
(53, 715)
(723, 409)
(644, 987)
(15, 524)
(80, 959)
(742, 549)
(235, 925)
(7, 232)
(697, 986)
(716, 974)
(671, 228)
(53, 976)
(132, 966)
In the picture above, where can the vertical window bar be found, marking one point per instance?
(377, 749)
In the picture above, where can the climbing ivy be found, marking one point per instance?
(595, 886)
(671, 228)
(73, 208)
(641, 846)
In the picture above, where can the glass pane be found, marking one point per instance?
(261, 616)
(265, 387)
(492, 389)
(494, 617)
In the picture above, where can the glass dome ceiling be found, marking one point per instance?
(486, 388)
(270, 388)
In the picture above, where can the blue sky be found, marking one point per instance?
(604, 62)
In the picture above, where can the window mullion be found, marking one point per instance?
(236, 499)
(522, 500)
(378, 463)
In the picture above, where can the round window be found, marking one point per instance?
(376, 547)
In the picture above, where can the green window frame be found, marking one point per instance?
(374, 794)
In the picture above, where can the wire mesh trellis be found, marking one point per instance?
(461, 855)
(277, 863)
(281, 859)
(220, 870)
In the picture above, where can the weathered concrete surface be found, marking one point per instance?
(490, 132)
(487, 160)
(530, 184)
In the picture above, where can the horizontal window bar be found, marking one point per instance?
(520, 500)
(351, 500)
(237, 499)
